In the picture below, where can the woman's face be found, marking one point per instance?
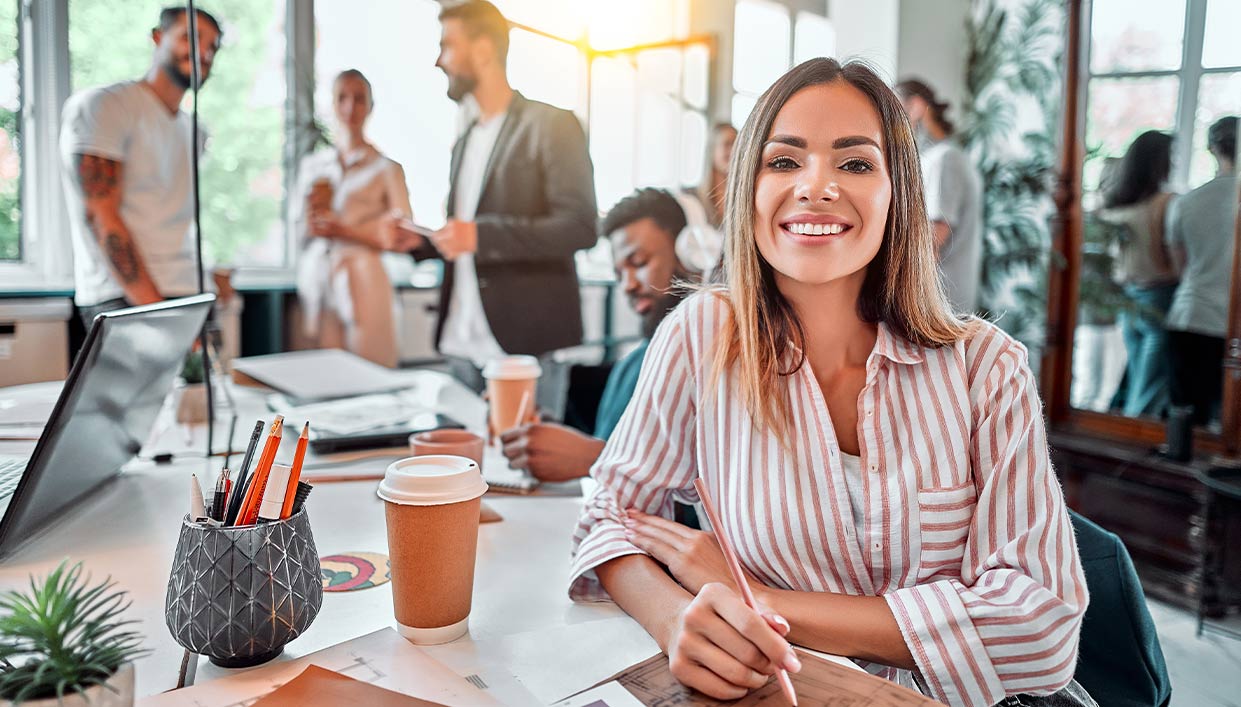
(822, 193)
(352, 101)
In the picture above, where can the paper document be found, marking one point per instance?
(320, 374)
(365, 412)
(381, 658)
(609, 694)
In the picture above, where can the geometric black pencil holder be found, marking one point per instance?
(238, 595)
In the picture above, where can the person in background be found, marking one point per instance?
(521, 203)
(1137, 201)
(350, 198)
(1201, 240)
(126, 167)
(642, 229)
(953, 194)
(880, 464)
(699, 247)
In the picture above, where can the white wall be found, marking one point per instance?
(933, 47)
(869, 30)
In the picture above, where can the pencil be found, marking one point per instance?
(250, 507)
(734, 566)
(521, 409)
(291, 493)
(234, 501)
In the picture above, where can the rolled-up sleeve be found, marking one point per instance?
(648, 458)
(1010, 624)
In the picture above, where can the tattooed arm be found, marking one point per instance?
(100, 179)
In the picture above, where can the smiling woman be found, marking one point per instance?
(880, 466)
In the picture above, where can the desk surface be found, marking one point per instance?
(129, 530)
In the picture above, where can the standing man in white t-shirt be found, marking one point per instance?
(522, 201)
(125, 153)
(953, 194)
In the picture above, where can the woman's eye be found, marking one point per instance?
(858, 166)
(782, 163)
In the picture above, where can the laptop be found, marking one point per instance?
(105, 412)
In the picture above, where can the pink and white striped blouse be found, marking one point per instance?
(964, 530)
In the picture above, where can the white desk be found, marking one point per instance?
(129, 530)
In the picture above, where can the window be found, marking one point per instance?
(241, 109)
(767, 43)
(1161, 65)
(10, 135)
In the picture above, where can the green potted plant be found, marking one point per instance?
(64, 643)
(191, 390)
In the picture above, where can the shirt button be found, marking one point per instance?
(874, 467)
(870, 412)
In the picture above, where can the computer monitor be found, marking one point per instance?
(105, 411)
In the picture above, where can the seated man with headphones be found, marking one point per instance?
(645, 229)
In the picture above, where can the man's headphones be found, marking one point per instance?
(699, 244)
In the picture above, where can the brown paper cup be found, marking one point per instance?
(458, 443)
(506, 397)
(431, 504)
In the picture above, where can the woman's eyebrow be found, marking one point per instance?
(790, 140)
(853, 141)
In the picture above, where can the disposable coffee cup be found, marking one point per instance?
(458, 443)
(431, 504)
(510, 380)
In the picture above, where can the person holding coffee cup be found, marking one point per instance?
(353, 197)
(642, 229)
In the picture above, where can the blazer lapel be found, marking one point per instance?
(511, 119)
(458, 149)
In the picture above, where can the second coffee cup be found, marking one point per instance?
(431, 504)
(460, 443)
(510, 381)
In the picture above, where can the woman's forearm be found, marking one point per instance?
(641, 587)
(853, 626)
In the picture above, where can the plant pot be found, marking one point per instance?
(118, 691)
(237, 595)
(191, 403)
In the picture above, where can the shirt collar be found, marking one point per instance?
(895, 348)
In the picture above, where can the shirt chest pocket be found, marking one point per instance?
(945, 517)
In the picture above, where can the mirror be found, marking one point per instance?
(1159, 209)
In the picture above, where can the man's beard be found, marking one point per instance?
(460, 86)
(181, 79)
(666, 303)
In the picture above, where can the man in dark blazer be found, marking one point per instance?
(522, 201)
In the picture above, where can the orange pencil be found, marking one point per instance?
(734, 566)
(249, 513)
(296, 473)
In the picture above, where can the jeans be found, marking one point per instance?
(1146, 343)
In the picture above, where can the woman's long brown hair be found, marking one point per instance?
(763, 340)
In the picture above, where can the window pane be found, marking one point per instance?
(612, 129)
(1136, 35)
(697, 61)
(529, 58)
(813, 36)
(1220, 46)
(398, 58)
(1119, 110)
(563, 18)
(693, 147)
(242, 112)
(615, 25)
(10, 139)
(658, 128)
(1218, 95)
(742, 105)
(760, 45)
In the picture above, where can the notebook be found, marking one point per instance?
(322, 374)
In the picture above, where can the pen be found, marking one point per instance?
(234, 506)
(296, 473)
(734, 566)
(254, 495)
(218, 500)
(198, 510)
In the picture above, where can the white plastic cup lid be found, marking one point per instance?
(512, 368)
(432, 480)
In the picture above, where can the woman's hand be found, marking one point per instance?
(692, 556)
(723, 648)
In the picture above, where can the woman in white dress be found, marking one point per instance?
(351, 197)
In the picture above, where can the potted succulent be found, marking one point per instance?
(191, 391)
(63, 643)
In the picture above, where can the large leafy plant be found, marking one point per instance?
(63, 636)
(1011, 112)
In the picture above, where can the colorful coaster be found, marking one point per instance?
(351, 571)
